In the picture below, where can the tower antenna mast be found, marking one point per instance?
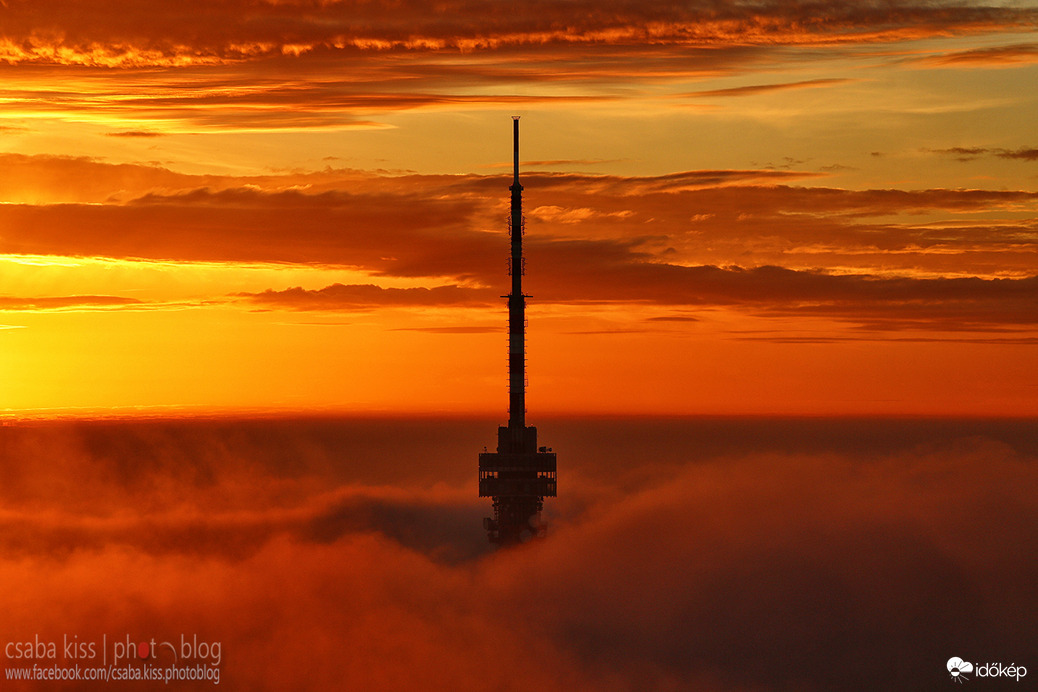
(516, 299)
(519, 475)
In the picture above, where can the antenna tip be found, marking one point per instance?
(515, 117)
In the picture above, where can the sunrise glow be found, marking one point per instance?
(301, 206)
(265, 418)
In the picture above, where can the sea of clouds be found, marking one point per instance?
(703, 554)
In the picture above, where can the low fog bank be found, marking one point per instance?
(704, 554)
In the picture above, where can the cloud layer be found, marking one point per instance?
(938, 259)
(133, 32)
(716, 555)
(245, 66)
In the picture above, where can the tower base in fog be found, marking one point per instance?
(518, 476)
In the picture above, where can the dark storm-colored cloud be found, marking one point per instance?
(410, 226)
(963, 153)
(135, 133)
(1002, 56)
(668, 182)
(368, 230)
(612, 274)
(940, 303)
(673, 318)
(551, 163)
(971, 153)
(943, 231)
(668, 239)
(1024, 154)
(765, 88)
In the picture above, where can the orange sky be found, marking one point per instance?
(731, 208)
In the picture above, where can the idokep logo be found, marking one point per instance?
(958, 669)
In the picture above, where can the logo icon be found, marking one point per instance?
(958, 668)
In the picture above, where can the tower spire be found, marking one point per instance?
(519, 475)
(516, 299)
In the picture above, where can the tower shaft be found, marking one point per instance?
(519, 475)
(516, 299)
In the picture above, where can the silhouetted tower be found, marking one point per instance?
(519, 475)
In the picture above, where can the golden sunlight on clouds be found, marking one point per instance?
(747, 208)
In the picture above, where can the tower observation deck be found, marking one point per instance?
(519, 475)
